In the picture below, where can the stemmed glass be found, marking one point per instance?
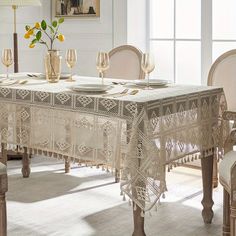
(147, 65)
(7, 59)
(102, 64)
(71, 59)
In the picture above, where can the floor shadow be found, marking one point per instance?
(48, 184)
(171, 219)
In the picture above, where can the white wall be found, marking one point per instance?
(88, 36)
(137, 23)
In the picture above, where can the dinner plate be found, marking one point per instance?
(152, 82)
(6, 82)
(91, 87)
(63, 76)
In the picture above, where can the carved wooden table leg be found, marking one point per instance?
(226, 214)
(207, 202)
(138, 223)
(67, 166)
(25, 164)
(215, 180)
(4, 154)
(3, 212)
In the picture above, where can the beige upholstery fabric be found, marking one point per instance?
(223, 73)
(125, 63)
(2, 169)
(225, 167)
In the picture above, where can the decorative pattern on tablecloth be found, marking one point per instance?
(138, 137)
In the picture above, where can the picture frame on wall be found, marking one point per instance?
(75, 8)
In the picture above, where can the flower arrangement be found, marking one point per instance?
(50, 31)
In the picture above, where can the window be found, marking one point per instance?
(224, 28)
(186, 35)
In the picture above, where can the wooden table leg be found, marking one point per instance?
(25, 164)
(207, 202)
(4, 153)
(138, 222)
(215, 180)
(3, 211)
(67, 166)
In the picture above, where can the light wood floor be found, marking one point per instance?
(88, 203)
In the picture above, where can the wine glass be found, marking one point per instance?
(7, 59)
(147, 65)
(71, 59)
(102, 64)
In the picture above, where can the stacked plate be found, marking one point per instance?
(98, 88)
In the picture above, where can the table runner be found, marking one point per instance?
(138, 133)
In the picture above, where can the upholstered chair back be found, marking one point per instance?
(223, 73)
(125, 63)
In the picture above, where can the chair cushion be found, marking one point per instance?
(3, 169)
(225, 167)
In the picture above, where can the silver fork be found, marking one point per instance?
(133, 92)
(125, 91)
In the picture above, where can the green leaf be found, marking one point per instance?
(34, 41)
(27, 27)
(52, 30)
(39, 35)
(44, 25)
(61, 20)
(54, 23)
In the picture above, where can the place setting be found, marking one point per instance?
(102, 64)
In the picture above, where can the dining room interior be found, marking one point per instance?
(117, 118)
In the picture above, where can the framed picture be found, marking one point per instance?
(75, 8)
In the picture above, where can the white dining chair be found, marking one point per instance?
(223, 74)
(227, 176)
(125, 63)
(3, 190)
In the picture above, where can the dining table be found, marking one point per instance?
(141, 133)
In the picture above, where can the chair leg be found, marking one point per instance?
(117, 176)
(3, 211)
(215, 179)
(233, 221)
(3, 215)
(226, 214)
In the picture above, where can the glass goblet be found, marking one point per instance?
(147, 65)
(7, 59)
(71, 59)
(102, 64)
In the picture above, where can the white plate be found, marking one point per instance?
(6, 82)
(152, 82)
(43, 76)
(91, 88)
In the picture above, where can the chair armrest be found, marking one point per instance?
(229, 115)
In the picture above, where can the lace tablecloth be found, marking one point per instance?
(139, 134)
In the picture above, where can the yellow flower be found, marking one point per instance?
(32, 45)
(61, 37)
(31, 32)
(26, 36)
(37, 25)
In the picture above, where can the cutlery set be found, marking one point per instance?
(125, 92)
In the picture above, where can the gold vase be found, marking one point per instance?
(53, 66)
